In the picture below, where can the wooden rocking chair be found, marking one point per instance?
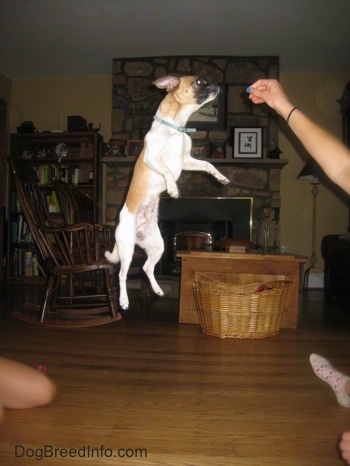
(80, 289)
(80, 207)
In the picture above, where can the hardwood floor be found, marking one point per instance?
(149, 391)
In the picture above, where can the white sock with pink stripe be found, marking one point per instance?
(335, 379)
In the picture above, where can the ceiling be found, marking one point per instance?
(43, 38)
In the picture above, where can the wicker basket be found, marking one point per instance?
(240, 311)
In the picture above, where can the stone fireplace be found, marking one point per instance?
(135, 101)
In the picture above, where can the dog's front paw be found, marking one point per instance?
(223, 180)
(173, 191)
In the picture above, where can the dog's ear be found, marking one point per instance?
(167, 82)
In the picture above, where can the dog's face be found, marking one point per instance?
(204, 92)
(188, 90)
(195, 90)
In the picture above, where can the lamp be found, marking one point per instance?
(311, 172)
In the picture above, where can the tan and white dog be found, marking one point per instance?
(165, 154)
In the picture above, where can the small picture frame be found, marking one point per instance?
(247, 143)
(199, 152)
(217, 150)
(134, 147)
(115, 148)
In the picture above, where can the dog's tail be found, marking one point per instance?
(113, 256)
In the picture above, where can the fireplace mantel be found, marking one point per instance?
(255, 178)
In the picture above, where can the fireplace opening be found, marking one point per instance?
(222, 217)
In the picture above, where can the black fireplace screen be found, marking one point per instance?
(220, 216)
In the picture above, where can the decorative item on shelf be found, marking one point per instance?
(76, 123)
(265, 218)
(90, 127)
(311, 172)
(115, 148)
(274, 153)
(27, 154)
(65, 174)
(217, 150)
(134, 147)
(199, 152)
(247, 143)
(26, 127)
(76, 175)
(277, 232)
(61, 151)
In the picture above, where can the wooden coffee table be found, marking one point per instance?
(240, 269)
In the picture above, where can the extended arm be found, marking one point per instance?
(326, 149)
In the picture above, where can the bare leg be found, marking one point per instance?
(344, 446)
(23, 387)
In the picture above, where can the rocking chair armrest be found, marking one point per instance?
(74, 227)
(72, 245)
(104, 238)
(105, 227)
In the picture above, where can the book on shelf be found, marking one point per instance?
(28, 264)
(14, 231)
(35, 265)
(15, 207)
(21, 232)
(52, 202)
(75, 175)
(19, 227)
(15, 261)
(19, 261)
(47, 173)
(56, 201)
(25, 263)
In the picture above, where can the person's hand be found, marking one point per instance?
(270, 91)
(344, 446)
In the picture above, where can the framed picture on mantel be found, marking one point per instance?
(247, 143)
(212, 115)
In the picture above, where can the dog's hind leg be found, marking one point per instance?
(125, 244)
(125, 261)
(153, 244)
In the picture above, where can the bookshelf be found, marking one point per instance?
(68, 156)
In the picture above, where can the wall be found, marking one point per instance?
(316, 95)
(41, 99)
(47, 102)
